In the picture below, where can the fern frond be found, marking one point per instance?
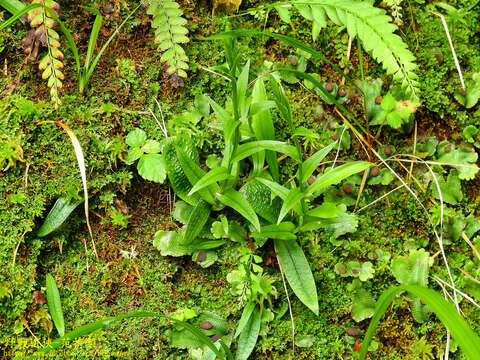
(372, 26)
(43, 33)
(170, 33)
(396, 7)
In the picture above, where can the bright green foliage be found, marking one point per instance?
(372, 26)
(466, 338)
(363, 306)
(55, 304)
(451, 189)
(298, 273)
(58, 214)
(462, 159)
(151, 164)
(170, 33)
(472, 92)
(413, 270)
(394, 113)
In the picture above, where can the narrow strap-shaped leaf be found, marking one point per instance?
(196, 222)
(213, 176)
(97, 24)
(298, 272)
(466, 338)
(12, 6)
(247, 312)
(338, 174)
(237, 202)
(309, 165)
(282, 231)
(293, 198)
(55, 305)
(247, 149)
(262, 124)
(90, 70)
(249, 335)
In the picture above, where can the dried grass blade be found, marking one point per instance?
(83, 172)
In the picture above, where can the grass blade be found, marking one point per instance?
(466, 338)
(92, 42)
(338, 174)
(90, 70)
(12, 6)
(55, 305)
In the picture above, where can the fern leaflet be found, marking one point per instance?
(170, 33)
(372, 26)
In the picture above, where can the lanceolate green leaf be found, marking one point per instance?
(57, 215)
(250, 148)
(196, 222)
(298, 272)
(292, 199)
(249, 335)
(217, 174)
(55, 305)
(338, 174)
(309, 165)
(262, 124)
(237, 202)
(465, 337)
(246, 314)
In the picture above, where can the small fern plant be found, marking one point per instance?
(51, 65)
(170, 33)
(370, 24)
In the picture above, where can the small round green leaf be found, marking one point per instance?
(152, 167)
(136, 137)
